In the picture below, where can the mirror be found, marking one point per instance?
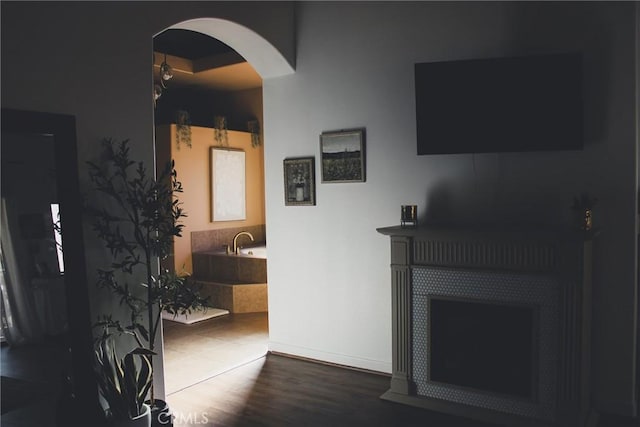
(32, 279)
(46, 144)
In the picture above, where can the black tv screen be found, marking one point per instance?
(529, 103)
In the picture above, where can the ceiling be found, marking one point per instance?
(202, 62)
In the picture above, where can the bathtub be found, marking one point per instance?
(255, 251)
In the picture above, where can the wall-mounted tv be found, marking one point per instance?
(528, 103)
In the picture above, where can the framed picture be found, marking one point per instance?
(300, 182)
(228, 201)
(343, 156)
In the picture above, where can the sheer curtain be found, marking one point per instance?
(19, 320)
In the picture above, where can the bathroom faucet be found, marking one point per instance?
(236, 249)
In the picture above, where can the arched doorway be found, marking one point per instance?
(267, 62)
(262, 55)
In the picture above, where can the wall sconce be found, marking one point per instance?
(166, 72)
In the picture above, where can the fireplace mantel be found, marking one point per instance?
(541, 266)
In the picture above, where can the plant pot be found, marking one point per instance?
(142, 420)
(161, 415)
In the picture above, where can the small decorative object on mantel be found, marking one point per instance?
(583, 211)
(220, 134)
(183, 128)
(254, 128)
(299, 182)
(343, 156)
(408, 216)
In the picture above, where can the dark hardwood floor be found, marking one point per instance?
(32, 377)
(282, 391)
(270, 390)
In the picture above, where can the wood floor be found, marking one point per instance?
(40, 369)
(281, 391)
(267, 390)
(245, 387)
(193, 353)
(217, 373)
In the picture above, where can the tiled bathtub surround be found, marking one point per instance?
(220, 267)
(214, 240)
(238, 298)
(237, 283)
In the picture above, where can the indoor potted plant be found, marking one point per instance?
(123, 383)
(137, 217)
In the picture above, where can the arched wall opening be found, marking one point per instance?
(268, 62)
(262, 55)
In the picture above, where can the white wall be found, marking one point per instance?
(328, 276)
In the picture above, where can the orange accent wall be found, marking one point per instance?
(193, 169)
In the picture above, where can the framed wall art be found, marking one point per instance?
(300, 182)
(228, 181)
(343, 156)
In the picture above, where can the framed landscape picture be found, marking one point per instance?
(300, 181)
(343, 156)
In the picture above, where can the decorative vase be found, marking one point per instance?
(299, 192)
(583, 219)
(142, 420)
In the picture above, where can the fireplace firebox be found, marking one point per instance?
(483, 345)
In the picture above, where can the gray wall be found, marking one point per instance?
(94, 60)
(328, 268)
(330, 298)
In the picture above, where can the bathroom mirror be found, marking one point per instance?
(228, 181)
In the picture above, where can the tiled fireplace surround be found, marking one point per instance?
(546, 270)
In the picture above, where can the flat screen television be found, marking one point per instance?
(515, 104)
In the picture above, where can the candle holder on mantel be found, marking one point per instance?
(583, 211)
(408, 216)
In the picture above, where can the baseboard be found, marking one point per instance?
(374, 366)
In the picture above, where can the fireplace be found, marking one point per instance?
(491, 324)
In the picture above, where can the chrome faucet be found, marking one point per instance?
(236, 248)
